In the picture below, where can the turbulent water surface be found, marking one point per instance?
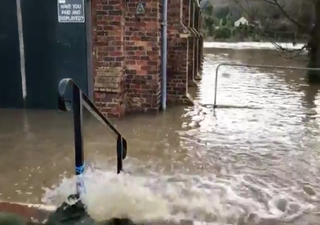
(253, 160)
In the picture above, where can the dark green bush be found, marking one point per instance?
(223, 33)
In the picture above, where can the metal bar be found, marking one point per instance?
(119, 153)
(98, 115)
(22, 52)
(254, 66)
(78, 139)
(80, 100)
(66, 106)
(164, 58)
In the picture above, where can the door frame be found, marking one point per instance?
(89, 50)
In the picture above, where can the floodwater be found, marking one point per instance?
(253, 160)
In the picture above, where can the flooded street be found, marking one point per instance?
(253, 160)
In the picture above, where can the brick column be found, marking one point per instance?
(200, 42)
(143, 56)
(108, 56)
(187, 21)
(196, 40)
(193, 42)
(178, 47)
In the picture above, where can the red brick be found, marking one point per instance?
(141, 35)
(127, 54)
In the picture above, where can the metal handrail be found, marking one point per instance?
(254, 66)
(79, 99)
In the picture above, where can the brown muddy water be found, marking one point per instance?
(256, 161)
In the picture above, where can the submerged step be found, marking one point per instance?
(29, 212)
(16, 213)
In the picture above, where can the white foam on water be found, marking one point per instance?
(155, 197)
(251, 45)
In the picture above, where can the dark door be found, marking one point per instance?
(52, 51)
(10, 76)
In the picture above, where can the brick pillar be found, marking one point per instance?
(194, 38)
(108, 56)
(143, 56)
(200, 42)
(188, 21)
(196, 10)
(178, 47)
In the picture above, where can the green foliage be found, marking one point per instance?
(223, 33)
(208, 10)
(219, 23)
(266, 21)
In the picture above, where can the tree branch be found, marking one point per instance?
(286, 14)
(276, 3)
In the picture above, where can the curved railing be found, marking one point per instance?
(76, 104)
(254, 66)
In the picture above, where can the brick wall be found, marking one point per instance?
(143, 56)
(178, 47)
(127, 54)
(108, 56)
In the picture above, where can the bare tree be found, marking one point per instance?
(304, 15)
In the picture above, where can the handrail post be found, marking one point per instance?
(216, 86)
(120, 149)
(78, 139)
(79, 102)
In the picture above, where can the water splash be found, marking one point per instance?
(179, 197)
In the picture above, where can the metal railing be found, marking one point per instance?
(254, 66)
(76, 104)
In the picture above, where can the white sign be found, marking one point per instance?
(71, 11)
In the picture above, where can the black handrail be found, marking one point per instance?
(79, 99)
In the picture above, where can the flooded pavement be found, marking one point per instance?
(253, 162)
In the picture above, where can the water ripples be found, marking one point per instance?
(253, 160)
